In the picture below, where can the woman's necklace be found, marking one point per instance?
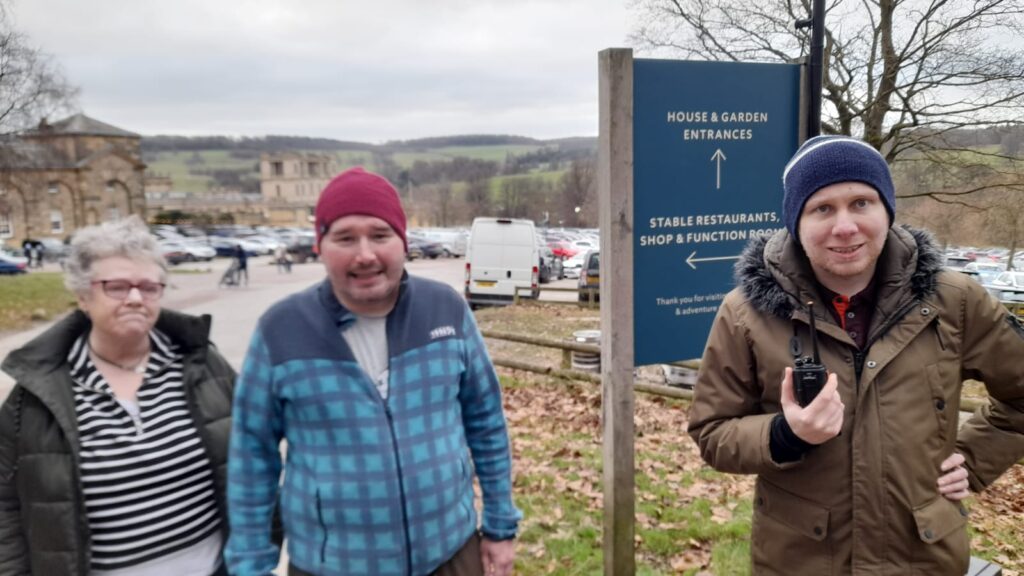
(136, 367)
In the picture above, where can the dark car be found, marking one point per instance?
(302, 249)
(590, 278)
(10, 265)
(428, 248)
(550, 268)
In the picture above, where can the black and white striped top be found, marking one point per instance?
(147, 481)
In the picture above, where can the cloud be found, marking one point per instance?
(353, 70)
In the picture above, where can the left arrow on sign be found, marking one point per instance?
(717, 158)
(690, 259)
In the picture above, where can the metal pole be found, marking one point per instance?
(815, 65)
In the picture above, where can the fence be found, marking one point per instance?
(589, 302)
(967, 405)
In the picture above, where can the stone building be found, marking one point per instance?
(219, 206)
(290, 183)
(62, 176)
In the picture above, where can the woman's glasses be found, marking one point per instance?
(119, 289)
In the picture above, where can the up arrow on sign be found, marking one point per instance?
(718, 157)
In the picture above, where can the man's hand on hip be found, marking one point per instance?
(953, 484)
(822, 419)
(498, 557)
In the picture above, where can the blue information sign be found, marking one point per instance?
(710, 141)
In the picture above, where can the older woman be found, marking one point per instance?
(113, 443)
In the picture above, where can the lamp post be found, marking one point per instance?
(815, 66)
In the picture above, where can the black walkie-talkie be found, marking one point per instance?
(809, 374)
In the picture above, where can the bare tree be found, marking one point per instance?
(441, 202)
(524, 197)
(1005, 219)
(32, 85)
(478, 198)
(578, 195)
(907, 76)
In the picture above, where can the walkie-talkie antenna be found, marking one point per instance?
(814, 333)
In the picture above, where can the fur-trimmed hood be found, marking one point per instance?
(773, 271)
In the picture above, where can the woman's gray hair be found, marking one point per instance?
(128, 238)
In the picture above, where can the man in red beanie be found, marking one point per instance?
(380, 381)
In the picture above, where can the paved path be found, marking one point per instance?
(193, 289)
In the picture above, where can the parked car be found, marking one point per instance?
(1008, 286)
(550, 265)
(571, 266)
(415, 251)
(453, 242)
(12, 264)
(228, 247)
(563, 249)
(590, 278)
(428, 248)
(985, 272)
(192, 252)
(53, 249)
(302, 249)
(263, 244)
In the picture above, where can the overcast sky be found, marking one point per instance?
(366, 70)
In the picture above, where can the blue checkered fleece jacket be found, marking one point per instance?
(371, 486)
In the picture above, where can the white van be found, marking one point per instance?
(503, 256)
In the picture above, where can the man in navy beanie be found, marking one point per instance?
(865, 476)
(383, 388)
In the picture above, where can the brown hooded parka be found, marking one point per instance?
(865, 502)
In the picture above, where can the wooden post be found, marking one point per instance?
(615, 200)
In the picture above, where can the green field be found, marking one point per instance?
(32, 297)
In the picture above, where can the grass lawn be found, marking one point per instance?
(690, 519)
(32, 297)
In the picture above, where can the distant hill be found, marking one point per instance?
(275, 143)
(199, 163)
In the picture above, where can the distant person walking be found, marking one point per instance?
(33, 251)
(283, 260)
(242, 258)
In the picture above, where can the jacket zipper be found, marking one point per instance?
(388, 331)
(401, 487)
(323, 527)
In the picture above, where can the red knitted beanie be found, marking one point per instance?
(356, 191)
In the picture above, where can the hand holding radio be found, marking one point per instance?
(822, 419)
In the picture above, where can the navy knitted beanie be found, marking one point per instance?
(356, 191)
(826, 160)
